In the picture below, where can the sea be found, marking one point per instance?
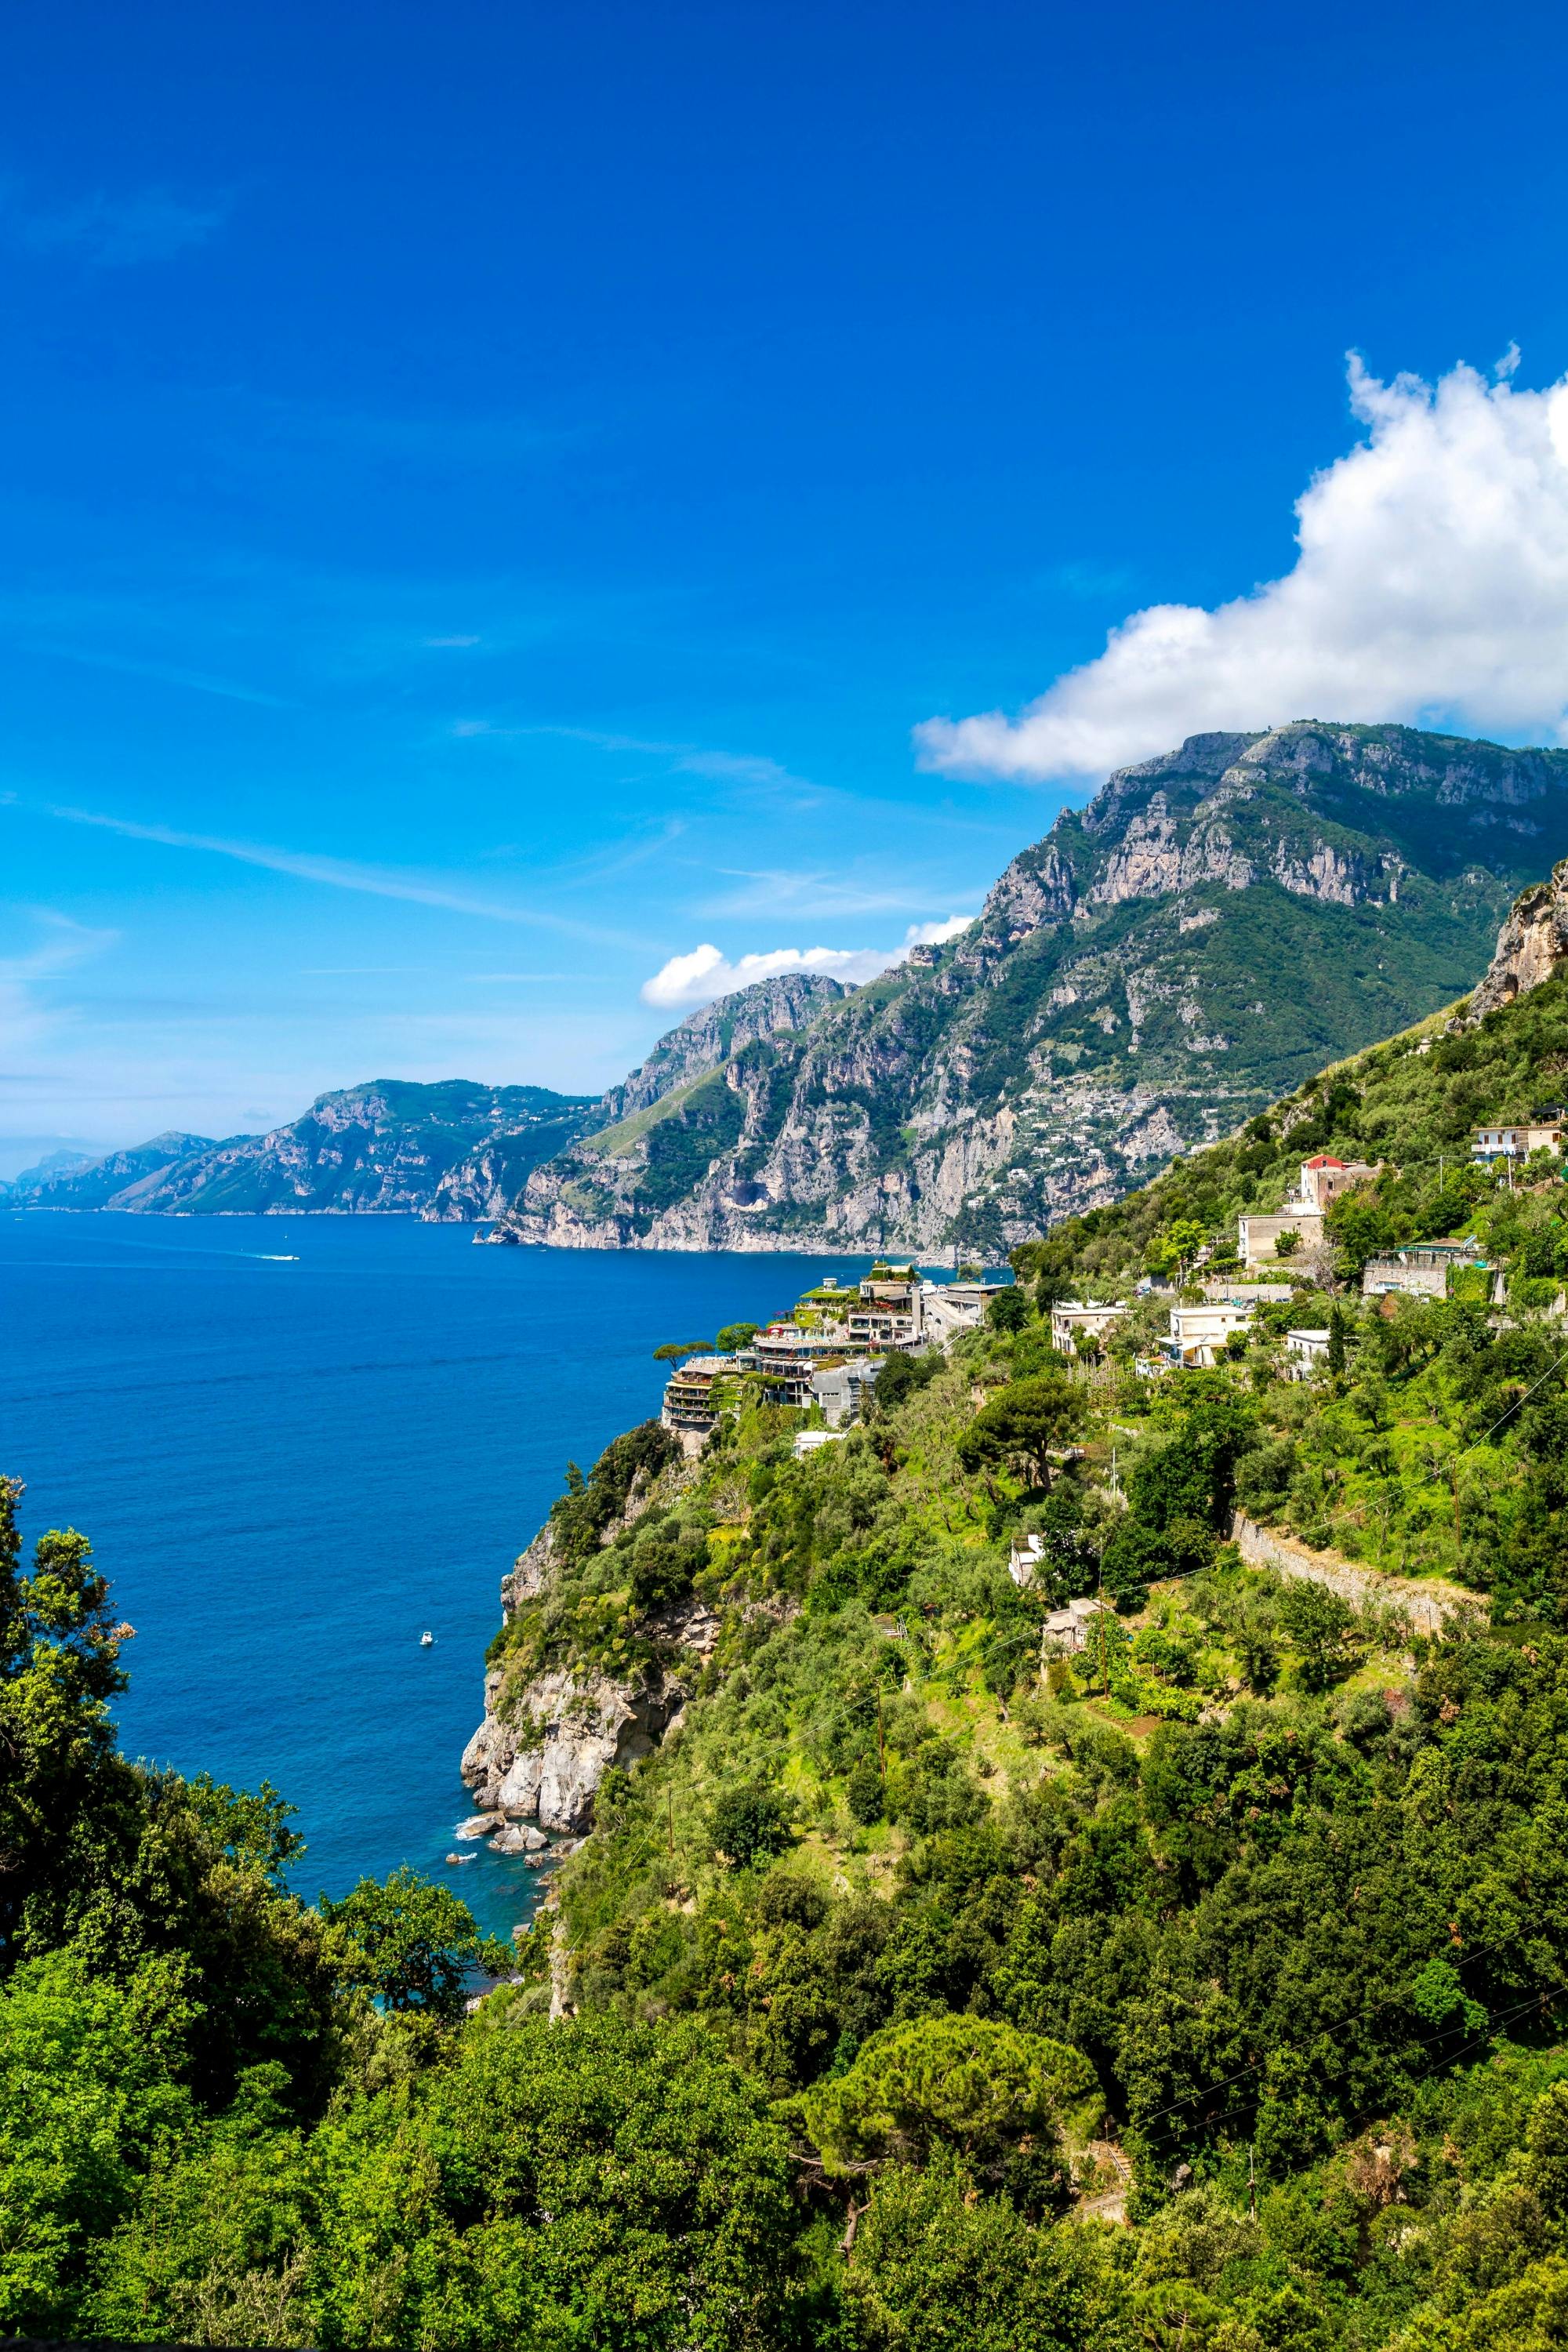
(297, 1445)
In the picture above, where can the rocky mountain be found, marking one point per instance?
(21, 1189)
(1217, 924)
(455, 1150)
(1531, 946)
(76, 1181)
(707, 1038)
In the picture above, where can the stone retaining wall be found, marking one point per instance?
(1427, 1602)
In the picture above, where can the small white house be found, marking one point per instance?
(812, 1441)
(1197, 1336)
(1093, 1318)
(1068, 1627)
(1545, 1132)
(1025, 1557)
(1308, 1353)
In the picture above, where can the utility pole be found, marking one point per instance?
(881, 1752)
(1251, 2182)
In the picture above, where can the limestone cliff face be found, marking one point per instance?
(1217, 924)
(1531, 946)
(544, 1745)
(707, 1038)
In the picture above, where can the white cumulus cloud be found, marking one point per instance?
(706, 972)
(1431, 587)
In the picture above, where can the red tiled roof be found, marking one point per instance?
(1323, 1160)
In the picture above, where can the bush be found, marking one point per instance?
(1009, 1310)
(750, 1824)
(866, 1794)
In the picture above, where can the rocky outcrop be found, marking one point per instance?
(544, 1745)
(1218, 925)
(707, 1038)
(575, 1727)
(1532, 945)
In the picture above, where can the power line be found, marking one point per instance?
(1212, 2123)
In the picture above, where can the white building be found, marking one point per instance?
(1543, 1133)
(890, 1312)
(950, 1308)
(1093, 1317)
(1197, 1336)
(1308, 1353)
(812, 1441)
(841, 1390)
(1024, 1559)
(1068, 1627)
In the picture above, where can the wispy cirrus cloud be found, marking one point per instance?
(163, 673)
(698, 978)
(814, 894)
(111, 232)
(341, 873)
(748, 768)
(59, 945)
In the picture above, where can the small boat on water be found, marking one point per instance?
(427, 1641)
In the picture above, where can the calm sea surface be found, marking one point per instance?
(297, 1443)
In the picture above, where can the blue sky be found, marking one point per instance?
(490, 494)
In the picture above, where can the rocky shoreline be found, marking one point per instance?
(541, 1752)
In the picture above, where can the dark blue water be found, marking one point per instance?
(292, 1469)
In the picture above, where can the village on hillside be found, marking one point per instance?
(824, 1356)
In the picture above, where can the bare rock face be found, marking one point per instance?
(1216, 925)
(1531, 946)
(544, 1748)
(707, 1038)
(577, 1727)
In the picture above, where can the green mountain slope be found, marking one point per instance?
(1217, 924)
(453, 1149)
(924, 1981)
(84, 1183)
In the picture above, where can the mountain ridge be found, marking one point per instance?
(450, 1151)
(1217, 923)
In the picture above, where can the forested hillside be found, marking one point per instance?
(929, 1985)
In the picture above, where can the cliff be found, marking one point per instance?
(567, 1697)
(1531, 946)
(547, 1739)
(707, 1038)
(1219, 922)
